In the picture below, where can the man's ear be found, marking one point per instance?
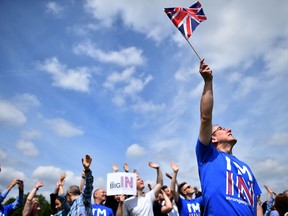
(214, 139)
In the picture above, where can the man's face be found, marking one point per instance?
(220, 134)
(140, 183)
(100, 195)
(68, 197)
(187, 189)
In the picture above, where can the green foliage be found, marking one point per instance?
(44, 204)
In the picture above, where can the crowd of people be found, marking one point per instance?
(228, 185)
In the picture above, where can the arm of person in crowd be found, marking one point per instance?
(167, 207)
(149, 186)
(115, 168)
(60, 183)
(170, 177)
(88, 187)
(54, 195)
(206, 104)
(20, 198)
(5, 192)
(120, 208)
(62, 198)
(175, 169)
(259, 210)
(28, 204)
(270, 200)
(159, 180)
(82, 183)
(125, 167)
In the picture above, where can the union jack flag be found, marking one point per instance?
(186, 19)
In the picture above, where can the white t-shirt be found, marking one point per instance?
(140, 205)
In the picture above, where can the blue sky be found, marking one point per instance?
(117, 80)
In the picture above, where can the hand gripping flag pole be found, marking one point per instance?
(187, 19)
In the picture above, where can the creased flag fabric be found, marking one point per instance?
(186, 19)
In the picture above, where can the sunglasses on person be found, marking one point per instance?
(187, 187)
(217, 129)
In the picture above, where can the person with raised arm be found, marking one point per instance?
(186, 205)
(228, 184)
(8, 209)
(32, 205)
(142, 203)
(80, 201)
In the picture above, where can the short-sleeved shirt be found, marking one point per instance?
(228, 184)
(101, 210)
(140, 205)
(189, 207)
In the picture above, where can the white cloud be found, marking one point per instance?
(125, 85)
(11, 114)
(141, 16)
(73, 79)
(10, 173)
(125, 57)
(27, 148)
(144, 107)
(3, 155)
(276, 61)
(63, 128)
(50, 175)
(54, 8)
(83, 30)
(115, 78)
(135, 150)
(245, 87)
(25, 101)
(278, 139)
(31, 134)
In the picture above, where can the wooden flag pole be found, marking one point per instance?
(193, 48)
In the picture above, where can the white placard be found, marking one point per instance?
(121, 183)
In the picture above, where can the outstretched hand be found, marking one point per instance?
(125, 167)
(39, 184)
(115, 168)
(153, 165)
(86, 162)
(205, 71)
(174, 166)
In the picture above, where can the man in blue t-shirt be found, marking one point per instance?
(98, 208)
(228, 184)
(187, 206)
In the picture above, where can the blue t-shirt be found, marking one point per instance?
(101, 210)
(189, 207)
(228, 184)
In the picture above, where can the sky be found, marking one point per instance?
(116, 80)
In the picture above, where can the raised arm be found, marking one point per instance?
(206, 104)
(159, 180)
(20, 198)
(115, 168)
(175, 169)
(120, 209)
(167, 207)
(88, 188)
(10, 186)
(82, 182)
(28, 204)
(125, 167)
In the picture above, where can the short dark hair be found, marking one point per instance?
(180, 186)
(74, 190)
(164, 187)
